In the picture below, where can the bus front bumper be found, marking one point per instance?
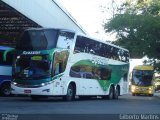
(142, 90)
(45, 90)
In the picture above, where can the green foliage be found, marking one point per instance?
(138, 29)
(149, 6)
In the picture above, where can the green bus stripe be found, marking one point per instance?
(5, 54)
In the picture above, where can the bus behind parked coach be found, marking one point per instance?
(142, 80)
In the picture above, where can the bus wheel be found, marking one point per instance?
(5, 89)
(70, 93)
(116, 93)
(111, 93)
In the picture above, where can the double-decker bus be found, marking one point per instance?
(5, 70)
(59, 62)
(142, 80)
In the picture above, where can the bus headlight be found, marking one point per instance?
(151, 90)
(14, 83)
(43, 84)
(47, 83)
(133, 88)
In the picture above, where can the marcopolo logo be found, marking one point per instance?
(31, 52)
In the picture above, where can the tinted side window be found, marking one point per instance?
(86, 45)
(80, 45)
(60, 62)
(90, 72)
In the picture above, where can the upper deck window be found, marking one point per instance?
(87, 45)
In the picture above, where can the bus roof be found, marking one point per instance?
(143, 67)
(5, 48)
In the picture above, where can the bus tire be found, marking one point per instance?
(111, 93)
(5, 89)
(70, 96)
(116, 93)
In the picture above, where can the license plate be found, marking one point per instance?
(27, 91)
(142, 89)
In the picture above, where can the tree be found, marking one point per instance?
(138, 28)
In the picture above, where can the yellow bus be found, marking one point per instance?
(142, 80)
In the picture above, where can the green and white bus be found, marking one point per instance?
(59, 62)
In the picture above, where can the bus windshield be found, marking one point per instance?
(142, 77)
(32, 67)
(46, 39)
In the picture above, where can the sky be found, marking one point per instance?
(90, 15)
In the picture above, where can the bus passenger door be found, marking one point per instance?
(59, 65)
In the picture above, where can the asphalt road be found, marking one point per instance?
(126, 104)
